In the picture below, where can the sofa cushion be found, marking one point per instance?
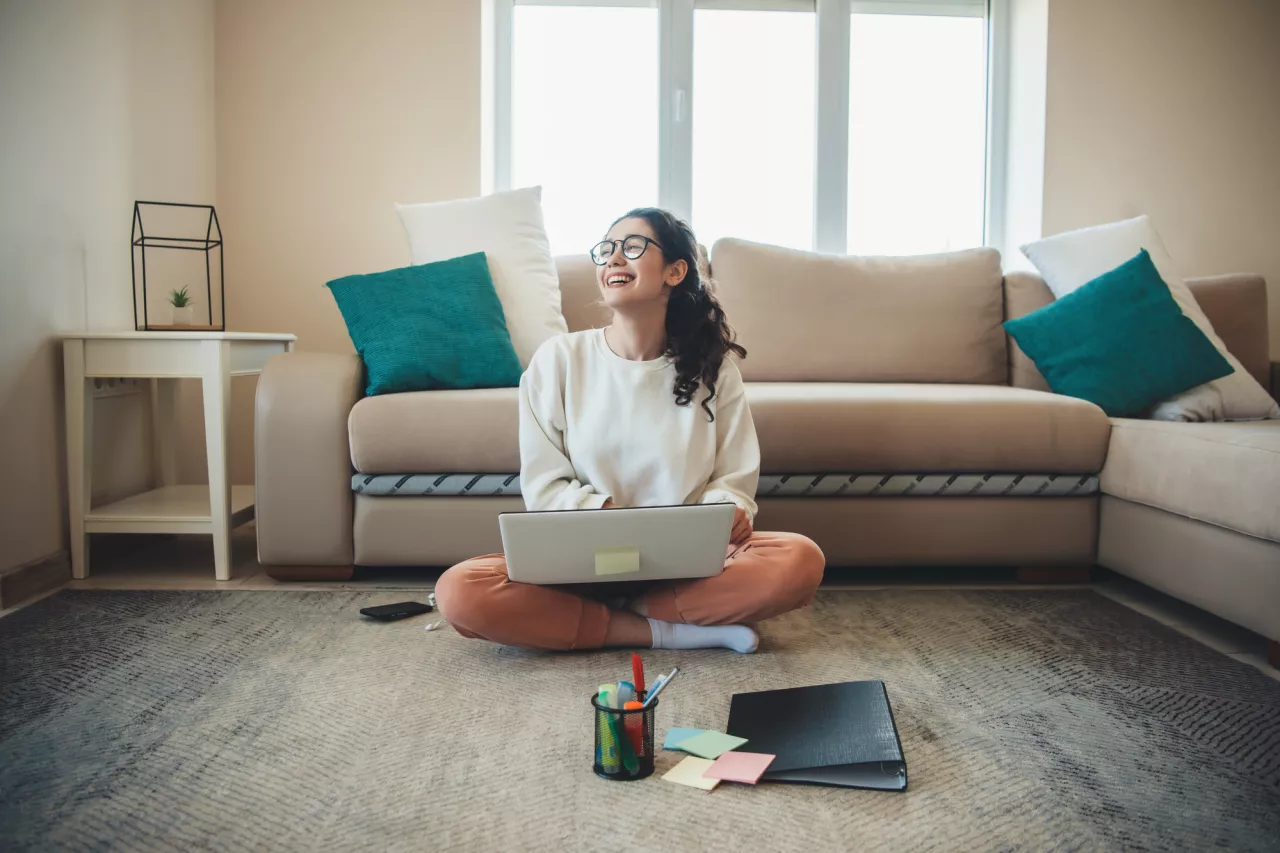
(437, 431)
(804, 316)
(428, 327)
(804, 428)
(508, 228)
(1226, 474)
(887, 428)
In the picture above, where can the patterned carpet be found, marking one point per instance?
(1031, 720)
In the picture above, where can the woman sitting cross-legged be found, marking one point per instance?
(648, 411)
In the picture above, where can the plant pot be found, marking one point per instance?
(183, 316)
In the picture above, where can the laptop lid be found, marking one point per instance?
(626, 544)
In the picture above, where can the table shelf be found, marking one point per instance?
(169, 509)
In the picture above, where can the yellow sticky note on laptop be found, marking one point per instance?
(617, 561)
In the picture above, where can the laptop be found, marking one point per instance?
(626, 544)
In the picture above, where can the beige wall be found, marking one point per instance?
(329, 112)
(1171, 108)
(103, 102)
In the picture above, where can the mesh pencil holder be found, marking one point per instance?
(624, 742)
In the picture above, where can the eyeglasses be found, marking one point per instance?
(633, 246)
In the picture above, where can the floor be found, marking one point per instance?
(186, 562)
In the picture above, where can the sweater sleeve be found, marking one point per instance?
(547, 477)
(737, 467)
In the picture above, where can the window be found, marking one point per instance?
(917, 133)
(753, 129)
(585, 115)
(837, 125)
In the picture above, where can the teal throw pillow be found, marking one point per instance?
(1120, 341)
(429, 327)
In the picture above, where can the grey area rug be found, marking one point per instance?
(281, 720)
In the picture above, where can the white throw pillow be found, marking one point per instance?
(508, 228)
(1068, 261)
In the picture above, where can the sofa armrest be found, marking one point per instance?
(1236, 305)
(303, 458)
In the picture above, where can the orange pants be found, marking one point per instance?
(769, 574)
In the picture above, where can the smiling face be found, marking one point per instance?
(626, 282)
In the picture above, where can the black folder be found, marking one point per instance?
(831, 734)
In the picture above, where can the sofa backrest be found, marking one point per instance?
(936, 318)
(1024, 292)
(1236, 306)
(808, 317)
(579, 297)
(580, 300)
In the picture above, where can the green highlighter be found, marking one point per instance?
(609, 761)
(617, 741)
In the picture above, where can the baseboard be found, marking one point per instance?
(30, 579)
(310, 573)
(1055, 574)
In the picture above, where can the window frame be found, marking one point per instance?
(675, 98)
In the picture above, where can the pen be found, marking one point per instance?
(660, 685)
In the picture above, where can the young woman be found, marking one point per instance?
(645, 412)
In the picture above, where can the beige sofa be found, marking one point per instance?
(898, 424)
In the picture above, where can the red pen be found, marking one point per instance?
(637, 672)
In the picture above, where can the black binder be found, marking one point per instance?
(831, 734)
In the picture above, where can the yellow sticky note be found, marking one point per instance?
(617, 561)
(689, 772)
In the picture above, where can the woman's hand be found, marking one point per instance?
(741, 527)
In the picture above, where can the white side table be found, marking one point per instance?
(211, 357)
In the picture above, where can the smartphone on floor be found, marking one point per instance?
(391, 612)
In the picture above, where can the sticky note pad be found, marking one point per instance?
(676, 735)
(617, 561)
(740, 767)
(711, 744)
(689, 772)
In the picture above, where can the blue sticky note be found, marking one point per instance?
(676, 734)
(711, 744)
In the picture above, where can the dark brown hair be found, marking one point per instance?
(698, 336)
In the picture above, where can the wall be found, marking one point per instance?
(328, 113)
(1171, 108)
(104, 102)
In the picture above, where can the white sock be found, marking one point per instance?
(677, 635)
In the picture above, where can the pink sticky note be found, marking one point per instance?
(740, 767)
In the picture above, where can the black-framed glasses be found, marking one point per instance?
(633, 246)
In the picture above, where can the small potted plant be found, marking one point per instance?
(182, 310)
